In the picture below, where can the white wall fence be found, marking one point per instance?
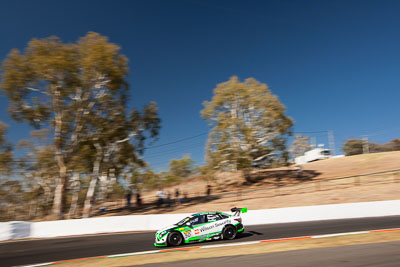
(16, 230)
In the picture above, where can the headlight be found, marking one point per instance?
(162, 233)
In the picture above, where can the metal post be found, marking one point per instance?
(365, 144)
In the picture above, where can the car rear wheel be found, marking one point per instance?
(175, 239)
(229, 232)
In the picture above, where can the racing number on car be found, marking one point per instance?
(187, 234)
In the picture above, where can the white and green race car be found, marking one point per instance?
(202, 226)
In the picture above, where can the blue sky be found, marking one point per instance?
(333, 64)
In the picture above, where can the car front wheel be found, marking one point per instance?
(175, 239)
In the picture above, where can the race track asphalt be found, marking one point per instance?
(377, 255)
(54, 249)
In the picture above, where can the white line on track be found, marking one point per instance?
(133, 253)
(340, 234)
(231, 245)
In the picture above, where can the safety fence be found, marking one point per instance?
(326, 184)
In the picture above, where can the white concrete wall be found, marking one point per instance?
(5, 231)
(13, 230)
(104, 225)
(322, 212)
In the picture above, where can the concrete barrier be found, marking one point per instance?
(5, 231)
(103, 225)
(323, 212)
(13, 230)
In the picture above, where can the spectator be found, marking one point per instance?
(168, 198)
(128, 197)
(208, 190)
(160, 196)
(138, 199)
(177, 199)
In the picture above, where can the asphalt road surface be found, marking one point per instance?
(54, 249)
(377, 255)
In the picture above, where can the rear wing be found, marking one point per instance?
(237, 211)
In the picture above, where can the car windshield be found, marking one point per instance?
(182, 222)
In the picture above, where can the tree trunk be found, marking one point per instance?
(90, 197)
(103, 180)
(93, 182)
(59, 193)
(112, 180)
(62, 179)
(75, 196)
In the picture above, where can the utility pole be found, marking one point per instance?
(331, 139)
(365, 144)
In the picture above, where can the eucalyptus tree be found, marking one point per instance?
(6, 156)
(6, 166)
(62, 87)
(38, 167)
(181, 168)
(118, 140)
(248, 124)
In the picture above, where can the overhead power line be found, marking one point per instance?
(310, 132)
(177, 141)
(174, 150)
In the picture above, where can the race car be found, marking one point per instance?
(200, 227)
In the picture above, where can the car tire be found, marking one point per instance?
(175, 239)
(229, 232)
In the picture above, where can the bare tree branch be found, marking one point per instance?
(37, 90)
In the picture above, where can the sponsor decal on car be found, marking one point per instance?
(187, 234)
(221, 223)
(206, 228)
(197, 231)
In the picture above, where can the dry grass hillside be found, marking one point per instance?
(319, 170)
(285, 187)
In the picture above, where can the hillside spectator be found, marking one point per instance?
(177, 199)
(168, 198)
(160, 196)
(208, 190)
(138, 199)
(128, 197)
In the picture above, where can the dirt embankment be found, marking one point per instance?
(319, 170)
(285, 187)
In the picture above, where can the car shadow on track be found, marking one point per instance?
(240, 237)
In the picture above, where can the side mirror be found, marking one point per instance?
(188, 224)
